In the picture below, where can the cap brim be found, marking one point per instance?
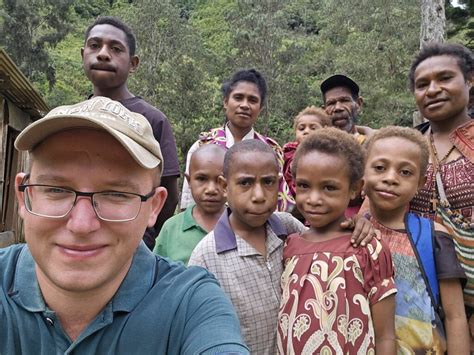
(40, 130)
(337, 81)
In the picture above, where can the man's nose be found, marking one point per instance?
(338, 106)
(257, 193)
(83, 219)
(103, 54)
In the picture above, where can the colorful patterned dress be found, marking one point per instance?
(418, 327)
(328, 290)
(458, 181)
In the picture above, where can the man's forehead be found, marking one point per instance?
(338, 91)
(107, 32)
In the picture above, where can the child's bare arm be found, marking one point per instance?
(383, 318)
(362, 230)
(455, 323)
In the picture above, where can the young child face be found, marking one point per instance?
(252, 189)
(392, 173)
(305, 125)
(323, 189)
(203, 179)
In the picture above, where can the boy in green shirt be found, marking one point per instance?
(181, 233)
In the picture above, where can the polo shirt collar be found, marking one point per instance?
(140, 278)
(224, 236)
(25, 291)
(188, 220)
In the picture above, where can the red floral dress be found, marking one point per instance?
(328, 290)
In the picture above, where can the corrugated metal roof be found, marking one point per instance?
(17, 88)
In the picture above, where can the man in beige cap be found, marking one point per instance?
(85, 282)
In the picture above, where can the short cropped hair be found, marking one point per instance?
(249, 75)
(208, 149)
(463, 56)
(246, 146)
(410, 134)
(313, 111)
(335, 142)
(116, 22)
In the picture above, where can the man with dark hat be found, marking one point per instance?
(342, 103)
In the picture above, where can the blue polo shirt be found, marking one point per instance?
(160, 308)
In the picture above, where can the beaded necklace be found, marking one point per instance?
(439, 199)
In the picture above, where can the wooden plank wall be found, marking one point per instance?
(13, 121)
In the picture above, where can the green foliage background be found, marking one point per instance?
(189, 47)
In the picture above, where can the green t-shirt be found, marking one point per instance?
(179, 236)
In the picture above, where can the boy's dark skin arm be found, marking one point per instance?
(363, 231)
(455, 323)
(383, 318)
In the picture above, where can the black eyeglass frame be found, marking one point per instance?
(143, 198)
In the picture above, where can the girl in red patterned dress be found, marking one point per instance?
(306, 122)
(336, 299)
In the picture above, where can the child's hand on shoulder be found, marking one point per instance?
(362, 230)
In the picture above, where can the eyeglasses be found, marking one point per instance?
(56, 202)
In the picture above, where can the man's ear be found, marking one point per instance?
(223, 184)
(82, 53)
(20, 195)
(134, 62)
(356, 188)
(157, 202)
(359, 102)
(186, 175)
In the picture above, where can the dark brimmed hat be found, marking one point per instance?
(337, 81)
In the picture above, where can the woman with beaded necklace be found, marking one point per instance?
(441, 77)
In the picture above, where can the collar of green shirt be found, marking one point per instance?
(189, 221)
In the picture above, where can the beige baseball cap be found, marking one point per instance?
(131, 129)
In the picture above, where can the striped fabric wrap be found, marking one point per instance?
(464, 246)
(218, 136)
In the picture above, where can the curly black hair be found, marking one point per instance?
(335, 142)
(463, 56)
